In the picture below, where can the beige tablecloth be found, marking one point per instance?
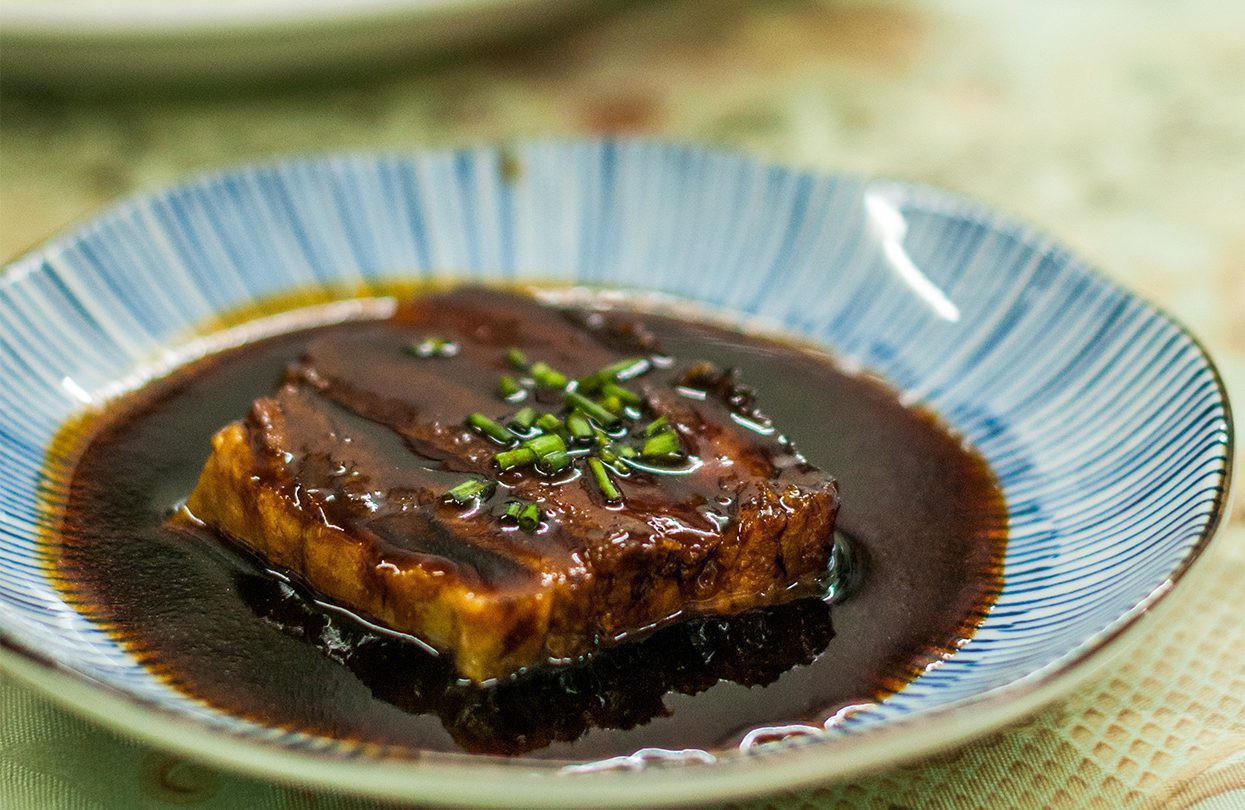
(1117, 126)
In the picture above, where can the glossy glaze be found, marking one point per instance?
(924, 515)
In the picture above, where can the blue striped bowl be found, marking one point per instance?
(1104, 420)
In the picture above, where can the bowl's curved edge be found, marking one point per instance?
(506, 783)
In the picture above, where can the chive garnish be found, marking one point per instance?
(626, 369)
(587, 420)
(604, 482)
(617, 391)
(489, 428)
(591, 409)
(550, 450)
(508, 387)
(517, 359)
(579, 426)
(470, 490)
(549, 423)
(523, 419)
(525, 513)
(518, 457)
(433, 347)
(623, 369)
(554, 462)
(529, 517)
(545, 444)
(547, 377)
(665, 443)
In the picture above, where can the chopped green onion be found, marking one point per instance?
(433, 347)
(656, 426)
(529, 517)
(579, 426)
(615, 390)
(545, 444)
(588, 385)
(508, 387)
(517, 359)
(607, 455)
(663, 444)
(604, 482)
(549, 423)
(624, 369)
(591, 409)
(523, 419)
(547, 377)
(525, 513)
(612, 404)
(518, 457)
(553, 462)
(550, 450)
(470, 490)
(489, 428)
(627, 451)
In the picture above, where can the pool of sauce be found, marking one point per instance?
(922, 514)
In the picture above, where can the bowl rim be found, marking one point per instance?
(155, 19)
(466, 780)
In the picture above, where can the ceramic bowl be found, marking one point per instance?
(1104, 420)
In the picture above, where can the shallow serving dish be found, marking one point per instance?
(1104, 420)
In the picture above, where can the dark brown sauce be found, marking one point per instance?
(925, 518)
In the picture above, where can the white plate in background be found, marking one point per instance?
(94, 42)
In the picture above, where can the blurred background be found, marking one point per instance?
(1116, 126)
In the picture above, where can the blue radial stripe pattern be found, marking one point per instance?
(1105, 421)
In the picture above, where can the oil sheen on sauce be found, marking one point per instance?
(923, 516)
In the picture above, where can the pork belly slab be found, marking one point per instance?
(362, 475)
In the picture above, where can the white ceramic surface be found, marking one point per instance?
(76, 43)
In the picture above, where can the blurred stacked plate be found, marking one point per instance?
(102, 41)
